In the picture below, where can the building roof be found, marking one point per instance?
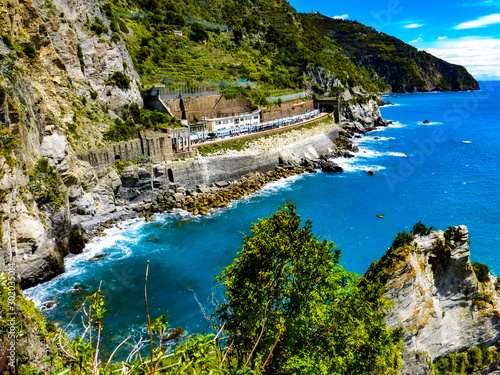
(233, 116)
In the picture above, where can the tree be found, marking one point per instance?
(119, 79)
(291, 308)
(199, 33)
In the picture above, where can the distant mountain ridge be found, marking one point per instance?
(398, 64)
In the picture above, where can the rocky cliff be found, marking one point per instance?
(56, 98)
(442, 303)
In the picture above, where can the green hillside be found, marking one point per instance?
(399, 65)
(264, 42)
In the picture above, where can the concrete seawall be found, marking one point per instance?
(204, 171)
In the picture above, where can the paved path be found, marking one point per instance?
(320, 117)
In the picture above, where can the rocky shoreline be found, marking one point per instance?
(37, 234)
(203, 199)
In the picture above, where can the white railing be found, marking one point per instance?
(253, 128)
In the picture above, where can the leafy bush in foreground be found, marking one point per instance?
(292, 308)
(289, 308)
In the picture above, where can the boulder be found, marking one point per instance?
(129, 176)
(55, 148)
(113, 180)
(49, 304)
(85, 205)
(74, 193)
(221, 184)
(104, 199)
(204, 190)
(42, 256)
(98, 257)
(127, 193)
(331, 167)
(178, 197)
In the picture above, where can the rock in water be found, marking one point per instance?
(49, 304)
(371, 172)
(331, 167)
(98, 257)
(174, 333)
(426, 122)
(437, 299)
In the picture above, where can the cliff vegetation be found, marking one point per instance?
(400, 66)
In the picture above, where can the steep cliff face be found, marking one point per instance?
(437, 298)
(57, 98)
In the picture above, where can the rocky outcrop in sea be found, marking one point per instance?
(442, 303)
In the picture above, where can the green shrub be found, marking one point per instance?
(30, 51)
(99, 27)
(114, 26)
(172, 18)
(468, 362)
(402, 239)
(119, 79)
(150, 119)
(198, 32)
(3, 94)
(482, 272)
(420, 228)
(266, 303)
(7, 40)
(121, 131)
(123, 26)
(45, 183)
(8, 142)
(79, 53)
(3, 195)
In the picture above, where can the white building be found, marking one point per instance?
(234, 121)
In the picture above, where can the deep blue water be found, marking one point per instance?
(444, 173)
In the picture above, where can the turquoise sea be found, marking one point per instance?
(444, 173)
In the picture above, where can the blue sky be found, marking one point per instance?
(462, 32)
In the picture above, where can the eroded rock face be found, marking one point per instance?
(438, 301)
(60, 95)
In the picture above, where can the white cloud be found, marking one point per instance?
(479, 55)
(442, 37)
(480, 22)
(418, 40)
(413, 26)
(342, 17)
(487, 3)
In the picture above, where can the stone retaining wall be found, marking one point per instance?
(158, 146)
(193, 109)
(204, 171)
(271, 114)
